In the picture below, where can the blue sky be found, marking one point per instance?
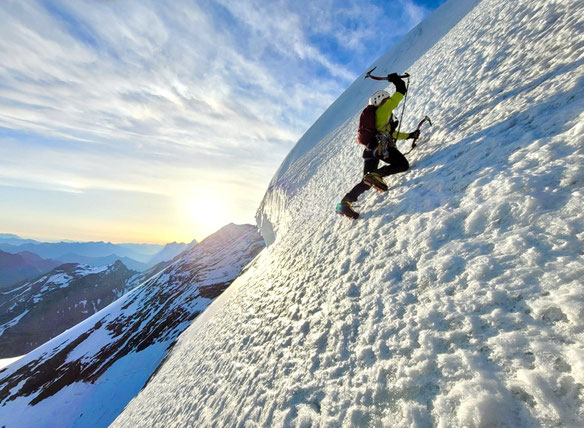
(154, 121)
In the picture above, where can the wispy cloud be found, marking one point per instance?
(158, 96)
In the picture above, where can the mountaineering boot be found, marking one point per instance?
(374, 179)
(345, 208)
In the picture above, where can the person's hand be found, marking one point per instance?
(393, 77)
(414, 135)
(400, 85)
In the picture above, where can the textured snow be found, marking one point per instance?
(457, 299)
(61, 280)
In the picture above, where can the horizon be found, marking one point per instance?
(170, 121)
(42, 240)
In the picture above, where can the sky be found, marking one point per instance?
(160, 121)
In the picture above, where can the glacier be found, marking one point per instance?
(457, 298)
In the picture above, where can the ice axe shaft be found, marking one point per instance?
(403, 76)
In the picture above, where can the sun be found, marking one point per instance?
(205, 215)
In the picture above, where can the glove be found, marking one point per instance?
(414, 135)
(393, 77)
(400, 85)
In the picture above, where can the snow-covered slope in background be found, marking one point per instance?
(456, 300)
(33, 312)
(85, 376)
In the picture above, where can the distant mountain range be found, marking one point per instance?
(140, 252)
(137, 257)
(170, 251)
(8, 238)
(104, 261)
(21, 266)
(98, 366)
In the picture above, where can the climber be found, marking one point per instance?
(378, 132)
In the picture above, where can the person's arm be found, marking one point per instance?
(400, 85)
(383, 112)
(401, 135)
(406, 135)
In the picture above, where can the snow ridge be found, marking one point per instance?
(457, 299)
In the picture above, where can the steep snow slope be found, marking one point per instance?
(86, 376)
(457, 300)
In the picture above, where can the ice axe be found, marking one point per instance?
(403, 76)
(425, 119)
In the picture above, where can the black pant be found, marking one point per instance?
(397, 163)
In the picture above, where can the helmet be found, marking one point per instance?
(377, 97)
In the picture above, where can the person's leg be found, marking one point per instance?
(369, 165)
(397, 163)
(356, 191)
(372, 178)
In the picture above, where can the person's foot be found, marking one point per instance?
(345, 208)
(373, 179)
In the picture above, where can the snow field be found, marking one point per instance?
(5, 362)
(457, 298)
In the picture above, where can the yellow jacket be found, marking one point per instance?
(383, 116)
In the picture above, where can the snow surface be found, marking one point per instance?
(84, 270)
(457, 299)
(5, 362)
(12, 322)
(61, 280)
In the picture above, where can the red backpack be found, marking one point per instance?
(366, 135)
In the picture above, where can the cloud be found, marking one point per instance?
(140, 95)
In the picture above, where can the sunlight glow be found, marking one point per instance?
(204, 214)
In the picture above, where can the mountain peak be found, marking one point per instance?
(9, 236)
(119, 265)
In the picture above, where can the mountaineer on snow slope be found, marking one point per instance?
(378, 132)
